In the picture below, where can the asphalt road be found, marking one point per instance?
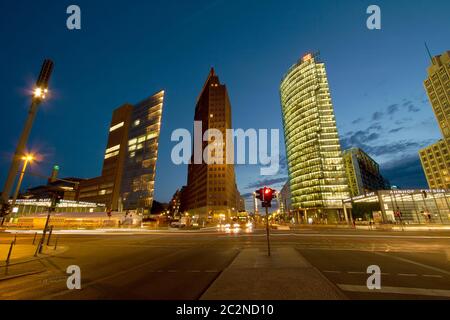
(177, 266)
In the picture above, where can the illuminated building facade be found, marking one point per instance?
(138, 181)
(415, 206)
(436, 158)
(129, 166)
(284, 197)
(316, 170)
(211, 188)
(363, 173)
(106, 188)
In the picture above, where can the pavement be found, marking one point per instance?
(285, 275)
(23, 257)
(305, 264)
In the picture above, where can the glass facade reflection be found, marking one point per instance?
(316, 170)
(142, 152)
(415, 206)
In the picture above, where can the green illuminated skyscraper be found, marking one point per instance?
(316, 168)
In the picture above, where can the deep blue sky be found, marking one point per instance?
(128, 50)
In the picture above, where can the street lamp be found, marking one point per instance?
(26, 159)
(39, 94)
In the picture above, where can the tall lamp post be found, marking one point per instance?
(26, 159)
(39, 94)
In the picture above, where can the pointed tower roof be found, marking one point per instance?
(212, 74)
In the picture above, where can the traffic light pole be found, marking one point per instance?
(267, 231)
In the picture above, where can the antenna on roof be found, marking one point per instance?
(428, 50)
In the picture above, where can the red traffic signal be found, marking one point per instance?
(266, 195)
(259, 194)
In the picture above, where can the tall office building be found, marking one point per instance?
(285, 199)
(363, 173)
(105, 189)
(129, 166)
(211, 188)
(316, 170)
(436, 158)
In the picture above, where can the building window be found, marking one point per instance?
(117, 126)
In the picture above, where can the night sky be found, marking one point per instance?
(128, 50)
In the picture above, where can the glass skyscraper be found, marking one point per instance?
(138, 180)
(129, 166)
(316, 170)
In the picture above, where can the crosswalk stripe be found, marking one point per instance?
(397, 290)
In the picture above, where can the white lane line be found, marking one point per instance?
(407, 274)
(414, 263)
(397, 290)
(355, 272)
(431, 276)
(195, 271)
(331, 271)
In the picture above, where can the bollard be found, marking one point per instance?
(34, 239)
(44, 233)
(38, 248)
(49, 235)
(56, 243)
(9, 254)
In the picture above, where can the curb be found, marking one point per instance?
(21, 275)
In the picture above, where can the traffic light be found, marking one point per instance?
(5, 210)
(56, 199)
(259, 194)
(266, 195)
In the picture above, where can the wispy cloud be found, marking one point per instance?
(392, 109)
(377, 116)
(266, 182)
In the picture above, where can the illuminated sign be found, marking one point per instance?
(307, 57)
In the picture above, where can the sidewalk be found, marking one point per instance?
(22, 260)
(286, 275)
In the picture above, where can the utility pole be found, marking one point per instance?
(39, 95)
(267, 231)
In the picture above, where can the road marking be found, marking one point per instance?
(432, 276)
(211, 271)
(414, 263)
(397, 290)
(331, 271)
(407, 274)
(196, 271)
(360, 236)
(172, 271)
(355, 272)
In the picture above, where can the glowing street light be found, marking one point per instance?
(39, 93)
(26, 159)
